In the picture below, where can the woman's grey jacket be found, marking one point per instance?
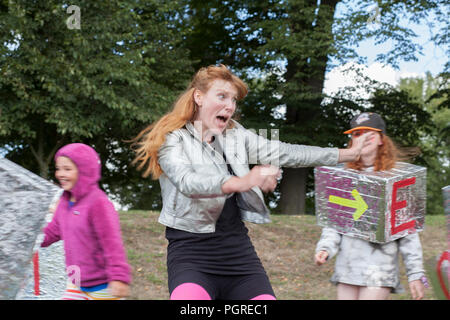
(194, 172)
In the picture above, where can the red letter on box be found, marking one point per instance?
(399, 205)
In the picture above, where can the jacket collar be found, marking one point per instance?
(191, 127)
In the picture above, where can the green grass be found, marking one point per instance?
(285, 246)
(435, 220)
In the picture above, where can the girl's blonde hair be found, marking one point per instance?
(147, 143)
(387, 155)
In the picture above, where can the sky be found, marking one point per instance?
(433, 59)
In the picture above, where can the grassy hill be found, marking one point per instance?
(285, 246)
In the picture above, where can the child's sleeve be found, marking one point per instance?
(411, 251)
(52, 231)
(106, 224)
(329, 242)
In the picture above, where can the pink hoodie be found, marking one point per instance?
(90, 228)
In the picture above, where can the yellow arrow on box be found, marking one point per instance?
(359, 204)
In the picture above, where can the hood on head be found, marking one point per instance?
(88, 164)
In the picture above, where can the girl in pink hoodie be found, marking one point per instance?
(89, 225)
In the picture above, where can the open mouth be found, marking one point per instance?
(223, 118)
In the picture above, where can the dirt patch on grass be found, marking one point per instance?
(285, 246)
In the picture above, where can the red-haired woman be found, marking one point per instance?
(201, 157)
(365, 270)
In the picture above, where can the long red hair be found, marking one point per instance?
(387, 155)
(147, 143)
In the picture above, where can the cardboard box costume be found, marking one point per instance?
(24, 210)
(379, 206)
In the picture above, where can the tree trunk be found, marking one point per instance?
(44, 160)
(293, 184)
(293, 191)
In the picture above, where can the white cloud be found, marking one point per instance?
(380, 73)
(351, 75)
(401, 75)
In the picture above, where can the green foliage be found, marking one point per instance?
(431, 93)
(123, 69)
(407, 121)
(116, 74)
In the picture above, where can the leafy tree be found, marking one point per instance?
(432, 94)
(99, 84)
(124, 67)
(284, 49)
(298, 41)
